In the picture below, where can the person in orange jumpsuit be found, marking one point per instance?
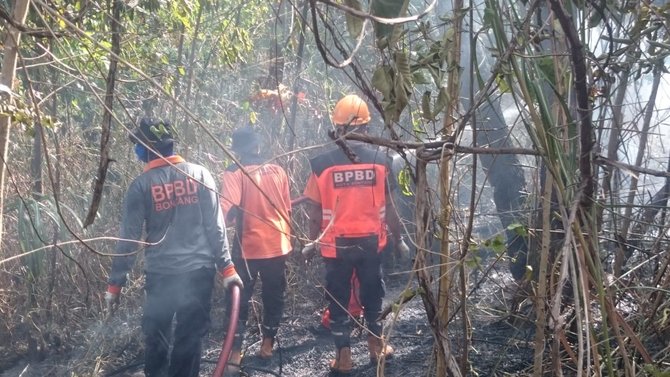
(255, 197)
(349, 209)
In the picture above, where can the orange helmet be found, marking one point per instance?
(351, 111)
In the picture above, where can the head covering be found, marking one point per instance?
(246, 141)
(351, 110)
(157, 134)
(154, 132)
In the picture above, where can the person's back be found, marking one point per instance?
(173, 196)
(349, 209)
(261, 193)
(353, 196)
(255, 196)
(176, 203)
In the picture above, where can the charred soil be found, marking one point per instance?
(501, 343)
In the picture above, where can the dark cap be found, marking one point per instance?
(245, 140)
(152, 131)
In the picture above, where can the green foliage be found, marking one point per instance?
(39, 224)
(388, 35)
(405, 181)
(547, 66)
(426, 112)
(474, 260)
(382, 80)
(395, 84)
(24, 116)
(497, 244)
(653, 371)
(402, 85)
(354, 24)
(503, 86)
(518, 229)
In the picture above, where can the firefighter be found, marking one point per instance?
(354, 309)
(349, 210)
(255, 196)
(176, 203)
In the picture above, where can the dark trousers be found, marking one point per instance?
(188, 297)
(359, 255)
(272, 272)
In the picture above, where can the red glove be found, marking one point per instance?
(112, 297)
(230, 277)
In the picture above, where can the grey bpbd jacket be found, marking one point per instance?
(179, 209)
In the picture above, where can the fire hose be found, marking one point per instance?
(299, 200)
(230, 335)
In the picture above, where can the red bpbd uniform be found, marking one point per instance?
(352, 195)
(264, 202)
(354, 308)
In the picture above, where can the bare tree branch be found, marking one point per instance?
(381, 20)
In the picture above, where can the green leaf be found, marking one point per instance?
(473, 262)
(354, 23)
(401, 96)
(497, 244)
(402, 83)
(387, 9)
(407, 294)
(502, 84)
(107, 45)
(404, 182)
(529, 272)
(519, 229)
(382, 81)
(425, 106)
(546, 65)
(402, 64)
(441, 101)
(489, 16)
(420, 78)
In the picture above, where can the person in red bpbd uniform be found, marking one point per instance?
(177, 205)
(350, 208)
(255, 196)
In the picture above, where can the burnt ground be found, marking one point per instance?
(501, 343)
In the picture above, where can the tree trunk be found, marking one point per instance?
(623, 252)
(115, 26)
(190, 132)
(447, 261)
(36, 162)
(297, 80)
(11, 51)
(503, 172)
(430, 302)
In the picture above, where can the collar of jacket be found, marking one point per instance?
(172, 160)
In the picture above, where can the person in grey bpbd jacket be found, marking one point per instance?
(177, 205)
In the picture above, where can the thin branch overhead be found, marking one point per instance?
(381, 20)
